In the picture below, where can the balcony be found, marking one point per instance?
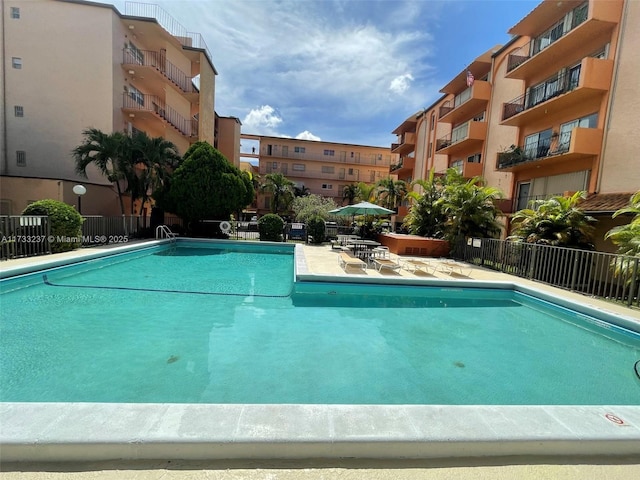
(157, 72)
(569, 147)
(406, 145)
(587, 21)
(568, 88)
(406, 166)
(476, 99)
(468, 169)
(152, 108)
(376, 160)
(467, 137)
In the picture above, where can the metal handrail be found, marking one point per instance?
(158, 61)
(153, 103)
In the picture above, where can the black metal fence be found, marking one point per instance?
(24, 236)
(606, 275)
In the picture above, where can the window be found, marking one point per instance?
(350, 171)
(21, 158)
(433, 121)
(457, 164)
(16, 62)
(18, 111)
(299, 150)
(327, 186)
(136, 95)
(15, 12)
(430, 149)
(538, 144)
(564, 139)
(298, 167)
(479, 117)
(331, 153)
(328, 169)
(477, 158)
(135, 54)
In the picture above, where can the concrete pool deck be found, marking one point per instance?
(524, 442)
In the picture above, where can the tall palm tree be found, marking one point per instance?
(390, 192)
(426, 216)
(627, 239)
(154, 160)
(349, 193)
(557, 221)
(109, 152)
(281, 189)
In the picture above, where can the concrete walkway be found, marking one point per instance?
(321, 260)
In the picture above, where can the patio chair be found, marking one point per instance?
(450, 267)
(346, 261)
(413, 266)
(385, 263)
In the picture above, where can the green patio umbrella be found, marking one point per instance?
(362, 208)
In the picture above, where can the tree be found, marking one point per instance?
(300, 191)
(365, 191)
(281, 189)
(110, 153)
(470, 210)
(349, 193)
(154, 159)
(305, 208)
(426, 216)
(205, 186)
(557, 221)
(627, 238)
(390, 192)
(65, 223)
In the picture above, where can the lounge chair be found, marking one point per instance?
(450, 267)
(345, 261)
(414, 266)
(380, 263)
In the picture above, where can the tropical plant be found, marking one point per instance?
(270, 227)
(301, 191)
(470, 209)
(281, 190)
(426, 216)
(557, 221)
(627, 237)
(365, 191)
(316, 229)
(65, 223)
(154, 159)
(205, 186)
(110, 153)
(389, 192)
(312, 205)
(349, 193)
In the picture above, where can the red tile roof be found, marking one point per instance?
(605, 202)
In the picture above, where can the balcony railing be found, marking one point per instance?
(159, 62)
(546, 147)
(579, 15)
(170, 24)
(157, 106)
(556, 85)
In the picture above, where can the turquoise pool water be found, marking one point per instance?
(209, 325)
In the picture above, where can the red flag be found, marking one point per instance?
(470, 78)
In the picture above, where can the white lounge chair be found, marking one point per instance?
(382, 263)
(450, 267)
(346, 261)
(413, 266)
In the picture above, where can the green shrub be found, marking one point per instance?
(316, 229)
(65, 222)
(270, 227)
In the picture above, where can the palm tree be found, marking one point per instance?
(627, 238)
(301, 191)
(154, 160)
(471, 210)
(426, 216)
(390, 192)
(109, 152)
(365, 191)
(557, 221)
(281, 189)
(349, 193)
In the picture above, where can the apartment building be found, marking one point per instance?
(551, 112)
(323, 168)
(69, 65)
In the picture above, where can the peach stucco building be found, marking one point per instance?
(69, 65)
(324, 168)
(551, 112)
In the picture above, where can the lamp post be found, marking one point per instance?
(79, 190)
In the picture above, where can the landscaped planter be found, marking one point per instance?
(401, 244)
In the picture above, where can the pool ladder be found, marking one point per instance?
(162, 231)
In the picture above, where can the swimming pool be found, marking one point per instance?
(204, 323)
(54, 431)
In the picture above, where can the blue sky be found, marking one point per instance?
(346, 71)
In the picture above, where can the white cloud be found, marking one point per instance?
(307, 135)
(401, 83)
(262, 121)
